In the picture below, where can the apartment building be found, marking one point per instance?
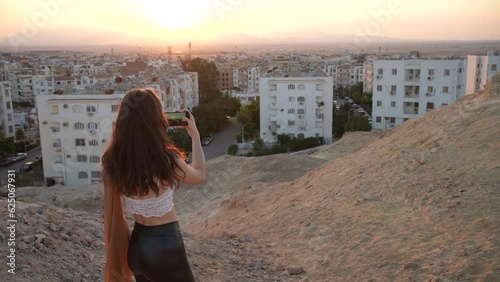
(297, 106)
(345, 74)
(481, 69)
(22, 84)
(6, 110)
(408, 88)
(74, 131)
(253, 79)
(368, 76)
(240, 78)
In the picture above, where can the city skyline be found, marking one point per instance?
(69, 22)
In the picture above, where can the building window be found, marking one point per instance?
(93, 143)
(92, 125)
(393, 88)
(91, 109)
(291, 111)
(378, 119)
(445, 89)
(301, 99)
(55, 109)
(431, 72)
(301, 87)
(300, 111)
(291, 99)
(446, 72)
(81, 158)
(301, 135)
(393, 104)
(379, 103)
(494, 67)
(430, 106)
(291, 123)
(78, 109)
(291, 87)
(80, 142)
(95, 174)
(319, 87)
(79, 125)
(394, 71)
(83, 175)
(94, 159)
(58, 159)
(114, 108)
(392, 120)
(379, 88)
(380, 71)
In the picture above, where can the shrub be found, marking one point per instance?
(232, 150)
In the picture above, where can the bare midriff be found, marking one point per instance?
(170, 216)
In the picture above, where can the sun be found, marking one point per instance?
(176, 14)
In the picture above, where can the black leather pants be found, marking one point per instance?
(157, 254)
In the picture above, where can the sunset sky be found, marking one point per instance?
(157, 22)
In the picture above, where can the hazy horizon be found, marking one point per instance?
(157, 23)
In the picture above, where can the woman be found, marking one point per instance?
(141, 170)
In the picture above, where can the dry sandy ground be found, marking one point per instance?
(418, 203)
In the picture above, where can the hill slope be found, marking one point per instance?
(420, 203)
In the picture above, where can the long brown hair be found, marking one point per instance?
(140, 151)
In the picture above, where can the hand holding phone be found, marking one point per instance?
(176, 118)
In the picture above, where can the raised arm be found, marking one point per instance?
(195, 173)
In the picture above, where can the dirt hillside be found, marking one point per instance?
(417, 203)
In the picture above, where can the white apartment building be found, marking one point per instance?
(74, 131)
(253, 79)
(188, 90)
(22, 85)
(240, 78)
(346, 74)
(43, 85)
(6, 110)
(481, 69)
(408, 88)
(368, 76)
(297, 106)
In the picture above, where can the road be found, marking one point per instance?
(222, 140)
(32, 155)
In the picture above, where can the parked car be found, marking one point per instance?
(206, 140)
(361, 111)
(20, 156)
(7, 161)
(26, 167)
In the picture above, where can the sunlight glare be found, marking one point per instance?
(174, 14)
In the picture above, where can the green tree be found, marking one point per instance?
(358, 123)
(208, 77)
(232, 150)
(284, 139)
(7, 146)
(19, 134)
(249, 116)
(259, 145)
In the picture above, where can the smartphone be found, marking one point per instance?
(175, 118)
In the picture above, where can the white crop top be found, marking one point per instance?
(152, 206)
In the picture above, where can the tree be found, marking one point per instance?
(7, 146)
(358, 123)
(208, 77)
(19, 134)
